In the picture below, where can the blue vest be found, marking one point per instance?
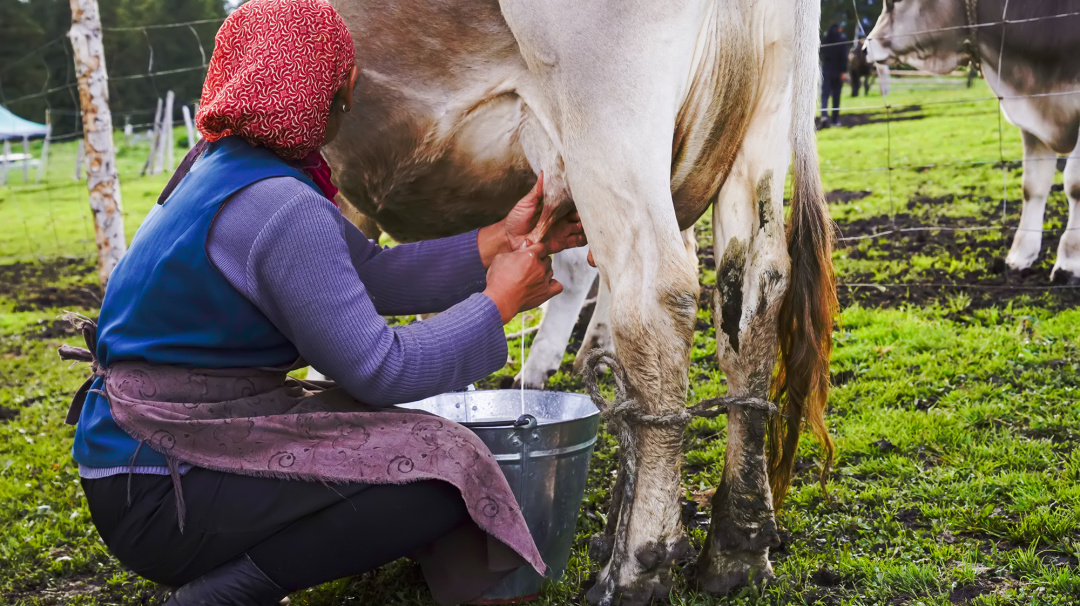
(166, 302)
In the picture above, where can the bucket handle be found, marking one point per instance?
(525, 421)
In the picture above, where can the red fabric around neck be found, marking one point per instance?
(315, 166)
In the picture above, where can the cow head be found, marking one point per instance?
(925, 34)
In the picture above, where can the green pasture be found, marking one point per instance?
(954, 406)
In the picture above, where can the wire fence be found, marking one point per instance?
(43, 179)
(58, 97)
(892, 114)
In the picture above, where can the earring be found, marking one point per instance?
(344, 109)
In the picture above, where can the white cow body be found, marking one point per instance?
(641, 115)
(1033, 66)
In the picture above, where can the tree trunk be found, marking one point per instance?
(102, 180)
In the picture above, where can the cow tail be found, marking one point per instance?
(809, 306)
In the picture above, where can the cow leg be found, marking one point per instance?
(1067, 266)
(1040, 163)
(652, 317)
(752, 268)
(610, 81)
(572, 269)
(598, 333)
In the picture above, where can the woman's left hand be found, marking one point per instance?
(564, 233)
(512, 233)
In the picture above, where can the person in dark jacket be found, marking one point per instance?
(834, 64)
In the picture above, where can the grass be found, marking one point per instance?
(954, 407)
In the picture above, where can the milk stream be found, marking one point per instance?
(521, 364)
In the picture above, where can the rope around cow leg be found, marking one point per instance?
(624, 414)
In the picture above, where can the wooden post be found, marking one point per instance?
(4, 162)
(170, 146)
(159, 145)
(102, 179)
(148, 168)
(189, 126)
(26, 160)
(43, 164)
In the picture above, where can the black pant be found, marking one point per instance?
(831, 87)
(300, 534)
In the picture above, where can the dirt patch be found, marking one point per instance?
(967, 592)
(51, 330)
(911, 517)
(34, 286)
(8, 414)
(96, 587)
(985, 283)
(826, 577)
(843, 195)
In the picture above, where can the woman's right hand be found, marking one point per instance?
(521, 280)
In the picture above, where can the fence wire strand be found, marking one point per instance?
(890, 114)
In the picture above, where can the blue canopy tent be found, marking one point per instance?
(14, 127)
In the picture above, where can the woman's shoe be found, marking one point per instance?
(237, 583)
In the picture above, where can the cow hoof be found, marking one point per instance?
(642, 593)
(530, 382)
(1022, 256)
(1063, 277)
(731, 571)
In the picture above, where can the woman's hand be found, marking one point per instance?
(512, 233)
(521, 280)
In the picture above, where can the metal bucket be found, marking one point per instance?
(544, 450)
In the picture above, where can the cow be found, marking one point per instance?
(641, 116)
(860, 69)
(1032, 65)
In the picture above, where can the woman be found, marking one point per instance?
(205, 467)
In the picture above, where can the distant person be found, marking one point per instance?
(834, 64)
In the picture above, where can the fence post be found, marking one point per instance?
(4, 162)
(43, 164)
(148, 168)
(169, 144)
(102, 179)
(26, 160)
(189, 126)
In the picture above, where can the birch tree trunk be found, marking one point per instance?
(102, 180)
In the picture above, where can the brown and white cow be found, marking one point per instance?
(1033, 64)
(641, 114)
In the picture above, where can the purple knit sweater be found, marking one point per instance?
(325, 286)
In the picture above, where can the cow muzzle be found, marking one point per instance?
(876, 52)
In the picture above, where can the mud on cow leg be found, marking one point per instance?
(1067, 265)
(743, 527)
(751, 279)
(652, 334)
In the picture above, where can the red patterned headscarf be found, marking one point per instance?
(276, 67)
